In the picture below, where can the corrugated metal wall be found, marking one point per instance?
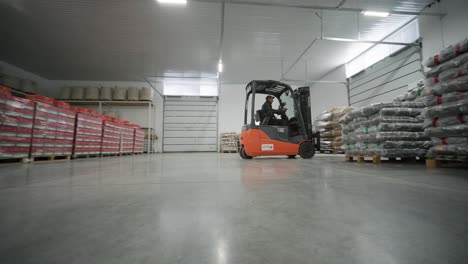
(386, 79)
(190, 124)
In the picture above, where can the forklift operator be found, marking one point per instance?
(267, 109)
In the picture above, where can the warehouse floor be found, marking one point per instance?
(217, 208)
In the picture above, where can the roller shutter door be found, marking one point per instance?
(190, 124)
(386, 79)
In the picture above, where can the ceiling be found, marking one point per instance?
(123, 40)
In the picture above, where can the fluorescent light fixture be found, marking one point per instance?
(220, 66)
(375, 13)
(179, 2)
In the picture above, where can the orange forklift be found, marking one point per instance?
(265, 134)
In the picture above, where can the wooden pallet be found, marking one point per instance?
(14, 160)
(377, 159)
(228, 151)
(331, 151)
(78, 156)
(442, 160)
(48, 158)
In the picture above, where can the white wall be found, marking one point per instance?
(8, 69)
(231, 107)
(436, 34)
(324, 96)
(439, 33)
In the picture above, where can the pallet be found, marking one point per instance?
(79, 156)
(331, 151)
(110, 154)
(229, 151)
(14, 160)
(377, 159)
(441, 160)
(49, 158)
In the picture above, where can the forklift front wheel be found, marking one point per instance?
(243, 154)
(307, 150)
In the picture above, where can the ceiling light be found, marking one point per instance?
(179, 2)
(220, 66)
(376, 14)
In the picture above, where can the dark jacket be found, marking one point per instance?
(267, 108)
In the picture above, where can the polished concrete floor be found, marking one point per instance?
(217, 208)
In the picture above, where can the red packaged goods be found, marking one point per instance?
(40, 98)
(15, 130)
(61, 104)
(94, 113)
(108, 118)
(13, 139)
(125, 122)
(43, 141)
(81, 110)
(5, 90)
(40, 132)
(14, 150)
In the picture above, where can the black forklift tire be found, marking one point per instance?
(243, 154)
(307, 150)
(291, 156)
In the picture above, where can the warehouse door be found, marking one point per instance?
(387, 79)
(190, 124)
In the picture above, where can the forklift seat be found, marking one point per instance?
(261, 117)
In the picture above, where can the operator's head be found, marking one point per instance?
(269, 99)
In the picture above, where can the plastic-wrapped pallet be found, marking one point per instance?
(133, 94)
(126, 137)
(77, 93)
(446, 98)
(139, 139)
(330, 129)
(119, 94)
(65, 93)
(392, 130)
(146, 94)
(229, 142)
(16, 124)
(111, 135)
(88, 132)
(91, 93)
(54, 125)
(105, 94)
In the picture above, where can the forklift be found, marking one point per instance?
(265, 134)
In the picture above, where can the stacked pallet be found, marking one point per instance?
(88, 132)
(391, 130)
(139, 139)
(111, 129)
(53, 128)
(229, 142)
(16, 123)
(330, 129)
(446, 98)
(127, 137)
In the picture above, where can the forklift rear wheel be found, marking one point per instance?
(243, 154)
(307, 150)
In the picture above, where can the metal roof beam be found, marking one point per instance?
(315, 7)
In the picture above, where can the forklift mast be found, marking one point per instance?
(303, 98)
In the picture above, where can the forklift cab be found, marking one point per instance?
(284, 131)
